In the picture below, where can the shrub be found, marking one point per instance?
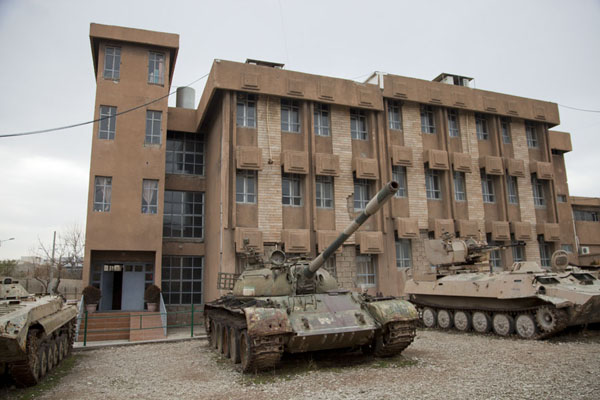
(91, 295)
(152, 294)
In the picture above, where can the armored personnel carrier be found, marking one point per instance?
(463, 292)
(293, 305)
(36, 332)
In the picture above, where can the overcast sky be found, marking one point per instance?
(546, 50)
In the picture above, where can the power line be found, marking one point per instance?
(60, 128)
(579, 109)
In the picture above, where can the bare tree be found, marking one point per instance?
(66, 251)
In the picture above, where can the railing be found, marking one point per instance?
(80, 310)
(84, 321)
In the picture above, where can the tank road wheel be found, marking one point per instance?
(482, 322)
(549, 319)
(503, 324)
(234, 345)
(462, 320)
(52, 354)
(213, 334)
(27, 372)
(247, 356)
(225, 341)
(429, 317)
(43, 356)
(219, 337)
(60, 344)
(444, 319)
(525, 326)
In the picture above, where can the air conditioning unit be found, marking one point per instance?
(584, 250)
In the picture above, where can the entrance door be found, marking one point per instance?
(133, 289)
(106, 286)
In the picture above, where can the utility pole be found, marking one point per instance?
(51, 287)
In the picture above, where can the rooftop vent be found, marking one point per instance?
(451, 79)
(264, 63)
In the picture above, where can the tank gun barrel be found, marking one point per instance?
(372, 207)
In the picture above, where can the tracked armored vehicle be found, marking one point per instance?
(36, 332)
(463, 292)
(293, 305)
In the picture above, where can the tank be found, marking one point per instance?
(36, 332)
(462, 291)
(293, 305)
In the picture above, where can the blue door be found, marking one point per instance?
(106, 286)
(133, 289)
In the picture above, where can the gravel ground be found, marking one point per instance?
(437, 365)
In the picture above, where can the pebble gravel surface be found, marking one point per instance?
(438, 365)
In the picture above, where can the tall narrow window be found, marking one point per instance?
(399, 175)
(505, 127)
(539, 200)
(102, 193)
(513, 193)
(153, 127)
(427, 120)
(487, 188)
(531, 133)
(330, 266)
(394, 115)
(112, 63)
(108, 122)
(290, 116)
(459, 186)
(432, 184)
(149, 196)
(517, 251)
(453, 129)
(403, 253)
(481, 126)
(291, 190)
(185, 153)
(324, 188)
(495, 255)
(184, 215)
(365, 274)
(358, 124)
(156, 68)
(321, 116)
(544, 252)
(182, 279)
(246, 110)
(245, 183)
(361, 194)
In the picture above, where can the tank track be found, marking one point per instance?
(43, 354)
(560, 324)
(398, 336)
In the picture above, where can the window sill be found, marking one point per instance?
(156, 84)
(153, 145)
(291, 205)
(294, 132)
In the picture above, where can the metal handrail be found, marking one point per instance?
(163, 313)
(79, 315)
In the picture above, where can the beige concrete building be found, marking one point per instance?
(586, 211)
(287, 159)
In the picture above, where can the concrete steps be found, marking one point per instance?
(122, 326)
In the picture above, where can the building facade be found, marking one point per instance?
(586, 212)
(286, 160)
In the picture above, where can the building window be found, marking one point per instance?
(246, 110)
(561, 198)
(453, 129)
(181, 279)
(585, 215)
(427, 120)
(495, 255)
(361, 194)
(544, 252)
(102, 193)
(365, 274)
(321, 115)
(112, 63)
(291, 189)
(358, 124)
(184, 215)
(517, 251)
(108, 122)
(149, 196)
(567, 247)
(403, 253)
(324, 186)
(460, 193)
(185, 154)
(487, 188)
(330, 266)
(156, 68)
(505, 127)
(513, 192)
(394, 116)
(290, 116)
(245, 183)
(399, 175)
(538, 192)
(531, 132)
(153, 127)
(481, 126)
(432, 184)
